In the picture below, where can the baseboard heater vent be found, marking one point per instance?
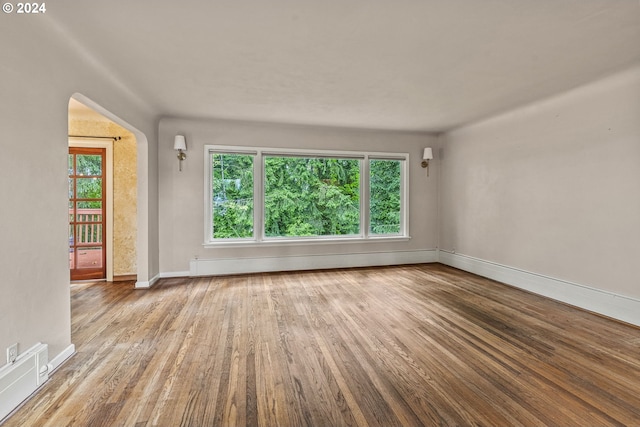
(21, 378)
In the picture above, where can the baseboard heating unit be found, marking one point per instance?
(21, 378)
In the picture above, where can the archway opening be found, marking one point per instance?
(90, 125)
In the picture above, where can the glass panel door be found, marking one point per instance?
(87, 254)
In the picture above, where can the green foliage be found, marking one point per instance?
(303, 196)
(88, 165)
(384, 196)
(88, 185)
(232, 195)
(89, 188)
(311, 196)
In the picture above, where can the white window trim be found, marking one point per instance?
(260, 239)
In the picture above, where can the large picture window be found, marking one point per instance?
(311, 196)
(274, 195)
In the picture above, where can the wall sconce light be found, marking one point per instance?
(180, 145)
(426, 156)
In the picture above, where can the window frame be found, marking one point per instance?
(259, 238)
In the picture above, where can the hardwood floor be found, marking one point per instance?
(409, 345)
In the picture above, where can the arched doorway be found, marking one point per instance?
(126, 245)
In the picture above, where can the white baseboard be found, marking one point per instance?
(150, 283)
(173, 274)
(62, 357)
(612, 305)
(225, 266)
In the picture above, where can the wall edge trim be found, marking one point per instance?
(609, 304)
(174, 274)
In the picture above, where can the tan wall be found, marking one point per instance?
(124, 187)
(124, 205)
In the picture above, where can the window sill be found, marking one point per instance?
(303, 242)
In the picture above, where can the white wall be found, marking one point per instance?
(39, 71)
(552, 188)
(182, 194)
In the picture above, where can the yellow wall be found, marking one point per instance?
(124, 186)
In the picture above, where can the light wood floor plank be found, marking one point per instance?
(408, 345)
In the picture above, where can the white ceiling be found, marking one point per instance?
(426, 65)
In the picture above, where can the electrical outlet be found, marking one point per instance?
(12, 353)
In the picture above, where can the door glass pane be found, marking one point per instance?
(89, 188)
(89, 205)
(90, 257)
(87, 234)
(88, 165)
(70, 188)
(70, 164)
(91, 213)
(71, 254)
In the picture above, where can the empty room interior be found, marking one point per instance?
(320, 213)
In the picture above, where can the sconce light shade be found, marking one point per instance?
(426, 156)
(179, 143)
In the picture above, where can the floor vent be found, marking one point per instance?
(21, 378)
